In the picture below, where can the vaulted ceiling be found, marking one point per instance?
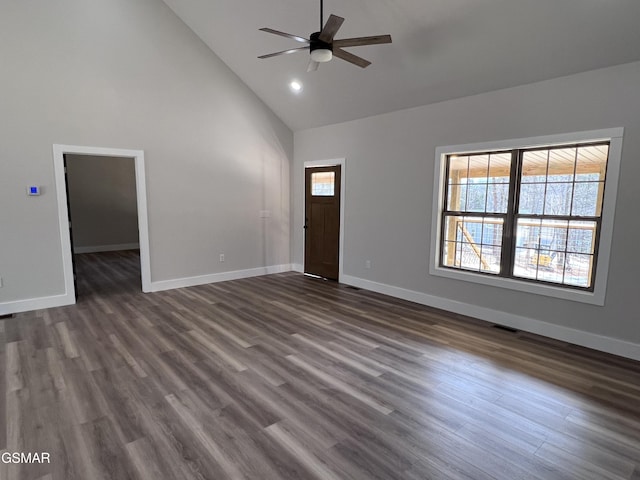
(442, 49)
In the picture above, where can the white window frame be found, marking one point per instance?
(596, 297)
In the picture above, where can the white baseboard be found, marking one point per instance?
(297, 267)
(217, 277)
(558, 332)
(107, 248)
(578, 337)
(19, 306)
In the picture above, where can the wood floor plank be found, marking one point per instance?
(76, 464)
(225, 355)
(173, 452)
(285, 377)
(511, 450)
(298, 411)
(145, 460)
(613, 462)
(284, 463)
(360, 366)
(131, 361)
(81, 392)
(121, 407)
(245, 403)
(314, 465)
(340, 385)
(229, 334)
(68, 345)
(14, 377)
(106, 451)
(239, 443)
(371, 460)
(575, 465)
(13, 420)
(208, 443)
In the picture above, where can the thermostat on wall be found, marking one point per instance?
(33, 190)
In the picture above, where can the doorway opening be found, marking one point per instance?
(83, 215)
(323, 237)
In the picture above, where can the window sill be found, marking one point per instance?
(596, 297)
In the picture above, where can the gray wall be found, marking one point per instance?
(102, 194)
(129, 74)
(389, 183)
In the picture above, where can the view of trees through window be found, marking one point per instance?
(526, 213)
(323, 184)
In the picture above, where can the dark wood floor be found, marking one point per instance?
(287, 377)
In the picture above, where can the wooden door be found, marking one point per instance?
(322, 221)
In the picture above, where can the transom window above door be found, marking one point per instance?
(323, 184)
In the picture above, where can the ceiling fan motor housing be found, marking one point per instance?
(324, 49)
(317, 44)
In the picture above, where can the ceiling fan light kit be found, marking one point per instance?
(321, 55)
(321, 52)
(323, 47)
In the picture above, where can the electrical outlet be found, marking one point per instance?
(222, 257)
(367, 264)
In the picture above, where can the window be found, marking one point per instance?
(527, 216)
(323, 184)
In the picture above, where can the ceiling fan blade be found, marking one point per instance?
(284, 52)
(282, 34)
(350, 57)
(331, 28)
(357, 42)
(313, 66)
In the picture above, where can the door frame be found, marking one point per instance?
(327, 163)
(63, 219)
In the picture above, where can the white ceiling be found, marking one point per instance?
(442, 49)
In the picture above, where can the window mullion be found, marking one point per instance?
(445, 209)
(508, 232)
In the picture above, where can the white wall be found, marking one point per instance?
(129, 74)
(102, 196)
(389, 175)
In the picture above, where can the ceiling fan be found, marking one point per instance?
(322, 45)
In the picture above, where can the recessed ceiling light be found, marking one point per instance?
(295, 86)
